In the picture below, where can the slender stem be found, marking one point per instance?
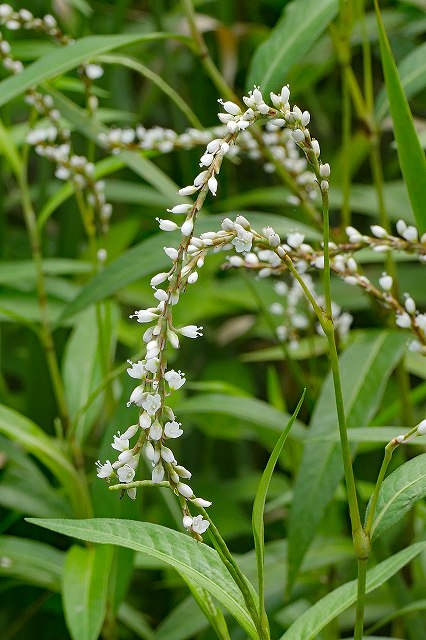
(45, 330)
(204, 55)
(360, 600)
(389, 449)
(237, 575)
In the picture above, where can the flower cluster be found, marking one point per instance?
(382, 241)
(157, 423)
(297, 315)
(24, 19)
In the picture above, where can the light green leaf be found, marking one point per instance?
(22, 430)
(258, 524)
(405, 486)
(135, 621)
(412, 73)
(375, 354)
(19, 270)
(66, 58)
(251, 410)
(145, 258)
(198, 562)
(85, 588)
(309, 624)
(411, 157)
(302, 22)
(32, 562)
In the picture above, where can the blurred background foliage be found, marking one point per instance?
(240, 383)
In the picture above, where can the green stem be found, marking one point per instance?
(360, 601)
(238, 577)
(203, 53)
(45, 330)
(389, 449)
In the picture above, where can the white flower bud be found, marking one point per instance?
(315, 147)
(180, 208)
(130, 432)
(155, 431)
(214, 145)
(182, 472)
(158, 279)
(187, 227)
(167, 225)
(378, 231)
(410, 305)
(145, 420)
(158, 473)
(324, 170)
(172, 253)
(187, 522)
(187, 191)
(212, 184)
(185, 490)
(421, 428)
(232, 108)
(200, 502)
(193, 277)
(386, 282)
(298, 135)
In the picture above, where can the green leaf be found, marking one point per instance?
(145, 258)
(405, 486)
(66, 58)
(412, 73)
(251, 410)
(309, 624)
(22, 430)
(32, 562)
(258, 524)
(198, 562)
(85, 588)
(410, 153)
(135, 621)
(302, 22)
(19, 270)
(375, 354)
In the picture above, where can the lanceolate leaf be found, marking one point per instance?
(63, 59)
(20, 429)
(398, 493)
(412, 72)
(85, 588)
(260, 499)
(200, 563)
(365, 367)
(32, 562)
(302, 23)
(410, 153)
(309, 624)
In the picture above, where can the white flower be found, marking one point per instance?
(156, 280)
(176, 379)
(295, 239)
(104, 470)
(144, 421)
(156, 431)
(410, 234)
(158, 473)
(136, 397)
(200, 502)
(378, 231)
(167, 225)
(212, 184)
(199, 525)
(410, 305)
(386, 282)
(172, 429)
(137, 369)
(93, 71)
(187, 227)
(421, 428)
(243, 240)
(182, 472)
(120, 443)
(191, 331)
(187, 522)
(403, 320)
(144, 315)
(167, 454)
(130, 432)
(181, 208)
(126, 473)
(151, 403)
(185, 490)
